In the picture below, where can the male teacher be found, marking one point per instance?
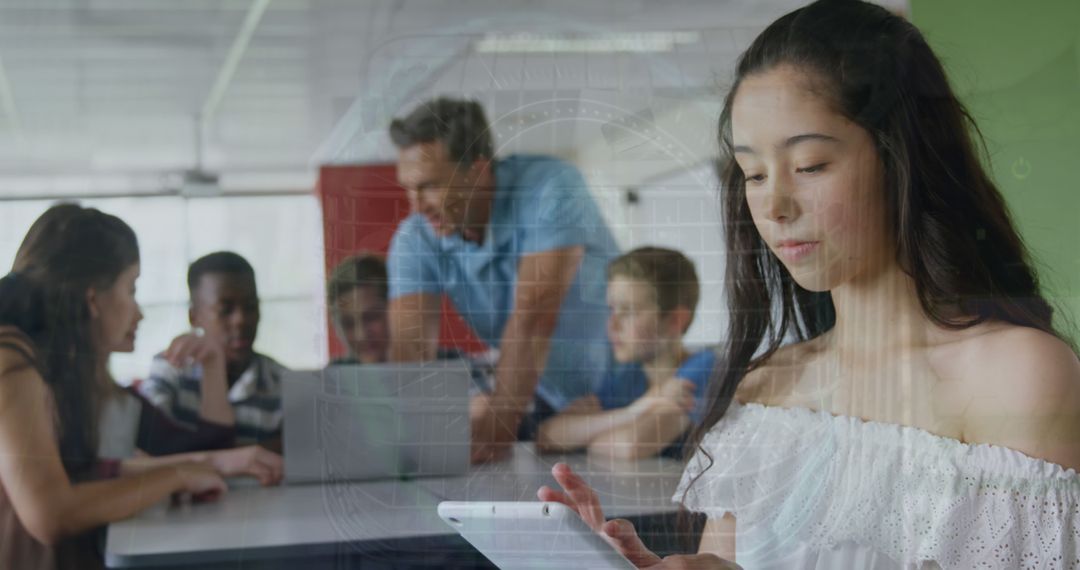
(518, 246)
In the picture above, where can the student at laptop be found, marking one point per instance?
(225, 310)
(519, 247)
(356, 297)
(647, 400)
(68, 302)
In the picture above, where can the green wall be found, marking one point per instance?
(1016, 65)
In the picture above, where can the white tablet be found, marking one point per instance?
(528, 535)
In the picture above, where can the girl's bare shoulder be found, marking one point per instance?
(775, 378)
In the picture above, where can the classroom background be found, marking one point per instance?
(240, 125)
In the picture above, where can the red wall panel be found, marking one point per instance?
(361, 207)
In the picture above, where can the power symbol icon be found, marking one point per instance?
(1021, 168)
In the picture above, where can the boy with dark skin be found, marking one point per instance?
(226, 307)
(225, 315)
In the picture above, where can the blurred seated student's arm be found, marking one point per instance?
(662, 415)
(575, 426)
(666, 411)
(46, 502)
(642, 429)
(163, 442)
(214, 404)
(167, 372)
(159, 434)
(274, 444)
(583, 422)
(252, 460)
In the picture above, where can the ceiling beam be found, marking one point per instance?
(7, 102)
(232, 60)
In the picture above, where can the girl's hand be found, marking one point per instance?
(199, 481)
(620, 533)
(695, 562)
(579, 496)
(254, 461)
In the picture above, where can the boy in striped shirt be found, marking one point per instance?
(215, 374)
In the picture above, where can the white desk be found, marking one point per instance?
(310, 520)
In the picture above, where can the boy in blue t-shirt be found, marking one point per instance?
(655, 390)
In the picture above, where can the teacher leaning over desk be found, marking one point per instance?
(518, 246)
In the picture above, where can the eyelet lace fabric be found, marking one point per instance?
(805, 481)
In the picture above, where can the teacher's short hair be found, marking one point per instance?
(458, 123)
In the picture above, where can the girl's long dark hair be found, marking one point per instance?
(68, 250)
(952, 230)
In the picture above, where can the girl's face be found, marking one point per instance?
(115, 313)
(814, 180)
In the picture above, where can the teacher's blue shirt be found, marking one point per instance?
(540, 204)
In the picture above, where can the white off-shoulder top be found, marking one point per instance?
(810, 490)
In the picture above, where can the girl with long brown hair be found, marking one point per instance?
(67, 304)
(892, 392)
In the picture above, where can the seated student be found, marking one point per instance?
(356, 296)
(130, 424)
(646, 402)
(139, 435)
(131, 428)
(224, 309)
(68, 302)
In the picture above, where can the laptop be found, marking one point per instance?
(358, 422)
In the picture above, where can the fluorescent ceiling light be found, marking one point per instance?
(615, 42)
(149, 184)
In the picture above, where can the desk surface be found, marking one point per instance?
(299, 520)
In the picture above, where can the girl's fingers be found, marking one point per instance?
(207, 496)
(622, 535)
(588, 505)
(275, 470)
(262, 472)
(259, 472)
(549, 495)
